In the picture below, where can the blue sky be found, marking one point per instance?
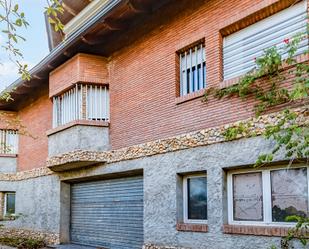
(34, 49)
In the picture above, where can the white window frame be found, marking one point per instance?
(5, 203)
(185, 199)
(266, 188)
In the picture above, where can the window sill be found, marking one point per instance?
(77, 122)
(190, 96)
(276, 231)
(230, 82)
(187, 227)
(8, 155)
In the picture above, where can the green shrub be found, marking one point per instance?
(22, 243)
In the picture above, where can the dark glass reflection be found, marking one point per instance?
(10, 203)
(197, 198)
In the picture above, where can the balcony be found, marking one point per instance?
(80, 120)
(80, 95)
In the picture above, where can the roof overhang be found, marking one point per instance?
(117, 20)
(72, 9)
(79, 21)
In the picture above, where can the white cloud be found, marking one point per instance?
(9, 73)
(7, 68)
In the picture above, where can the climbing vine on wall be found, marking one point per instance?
(267, 84)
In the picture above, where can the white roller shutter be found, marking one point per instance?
(240, 48)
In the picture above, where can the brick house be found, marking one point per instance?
(114, 148)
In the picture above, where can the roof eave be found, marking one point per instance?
(63, 46)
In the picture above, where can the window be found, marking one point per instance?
(8, 142)
(195, 198)
(9, 203)
(267, 196)
(241, 48)
(248, 196)
(192, 69)
(89, 102)
(97, 103)
(68, 106)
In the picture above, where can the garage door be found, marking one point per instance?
(108, 213)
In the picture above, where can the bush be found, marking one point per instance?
(22, 243)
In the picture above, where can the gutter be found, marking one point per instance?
(57, 51)
(78, 21)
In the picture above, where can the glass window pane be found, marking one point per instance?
(10, 203)
(289, 193)
(192, 69)
(193, 79)
(204, 75)
(197, 198)
(248, 197)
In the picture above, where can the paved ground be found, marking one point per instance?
(6, 247)
(69, 246)
(72, 246)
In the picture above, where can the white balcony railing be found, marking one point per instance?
(8, 141)
(88, 102)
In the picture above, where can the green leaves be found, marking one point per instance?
(23, 71)
(264, 158)
(300, 231)
(6, 96)
(232, 133)
(13, 20)
(264, 83)
(269, 70)
(53, 10)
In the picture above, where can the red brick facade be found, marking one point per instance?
(257, 230)
(143, 78)
(8, 120)
(81, 68)
(33, 147)
(186, 227)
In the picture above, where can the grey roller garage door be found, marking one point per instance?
(108, 213)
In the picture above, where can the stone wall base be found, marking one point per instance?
(152, 246)
(49, 238)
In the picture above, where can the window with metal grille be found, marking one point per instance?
(8, 142)
(241, 48)
(192, 69)
(97, 103)
(83, 102)
(67, 106)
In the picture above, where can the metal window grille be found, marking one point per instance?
(241, 48)
(8, 141)
(192, 69)
(97, 103)
(67, 106)
(89, 102)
